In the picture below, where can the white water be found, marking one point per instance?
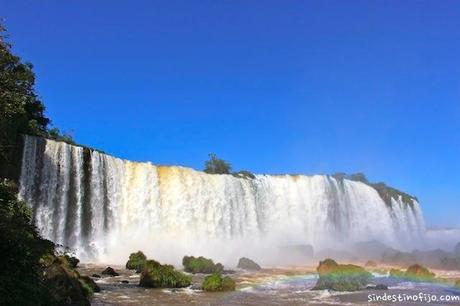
(105, 208)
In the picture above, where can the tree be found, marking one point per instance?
(21, 110)
(216, 165)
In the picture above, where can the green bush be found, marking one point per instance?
(334, 276)
(136, 261)
(215, 282)
(156, 275)
(216, 165)
(201, 265)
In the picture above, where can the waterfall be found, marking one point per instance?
(105, 207)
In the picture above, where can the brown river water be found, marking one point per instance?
(277, 286)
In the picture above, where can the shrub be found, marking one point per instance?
(201, 265)
(136, 261)
(215, 282)
(156, 275)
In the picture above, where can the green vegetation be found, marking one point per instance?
(215, 282)
(156, 275)
(136, 261)
(30, 272)
(21, 110)
(457, 283)
(386, 192)
(337, 277)
(201, 265)
(216, 165)
(248, 264)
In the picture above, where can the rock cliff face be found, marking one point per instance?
(99, 204)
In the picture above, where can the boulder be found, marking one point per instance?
(378, 287)
(156, 275)
(136, 261)
(419, 273)
(414, 273)
(110, 272)
(215, 282)
(201, 265)
(248, 264)
(64, 284)
(337, 277)
(370, 263)
(89, 285)
(72, 260)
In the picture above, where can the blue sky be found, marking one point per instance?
(272, 86)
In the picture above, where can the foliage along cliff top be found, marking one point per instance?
(386, 192)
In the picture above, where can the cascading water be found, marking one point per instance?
(105, 208)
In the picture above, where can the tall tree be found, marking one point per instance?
(216, 165)
(21, 110)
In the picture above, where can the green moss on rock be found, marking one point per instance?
(156, 275)
(414, 273)
(201, 265)
(337, 277)
(215, 282)
(136, 261)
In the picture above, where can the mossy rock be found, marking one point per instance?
(110, 272)
(89, 284)
(371, 263)
(397, 273)
(248, 264)
(414, 273)
(64, 284)
(215, 282)
(156, 275)
(419, 273)
(201, 265)
(338, 277)
(136, 261)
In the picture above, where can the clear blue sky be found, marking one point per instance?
(272, 86)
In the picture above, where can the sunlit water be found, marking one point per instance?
(267, 287)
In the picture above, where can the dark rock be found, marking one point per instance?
(110, 272)
(136, 261)
(63, 283)
(215, 282)
(156, 275)
(124, 281)
(370, 263)
(88, 282)
(96, 276)
(248, 264)
(378, 287)
(333, 276)
(73, 261)
(201, 265)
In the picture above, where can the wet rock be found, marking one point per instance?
(136, 261)
(201, 265)
(156, 275)
(370, 263)
(124, 281)
(414, 273)
(337, 277)
(96, 276)
(419, 273)
(378, 287)
(248, 264)
(88, 282)
(109, 271)
(64, 284)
